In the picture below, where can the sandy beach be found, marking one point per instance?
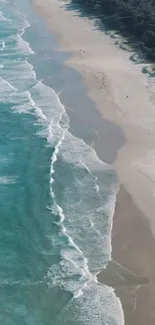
(125, 97)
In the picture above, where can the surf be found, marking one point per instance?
(82, 191)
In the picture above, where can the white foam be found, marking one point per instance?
(27, 106)
(38, 111)
(98, 305)
(68, 256)
(17, 46)
(23, 45)
(25, 24)
(2, 17)
(3, 46)
(92, 173)
(6, 85)
(79, 256)
(74, 259)
(5, 90)
(101, 211)
(48, 101)
(5, 180)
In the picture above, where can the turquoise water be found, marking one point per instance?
(56, 197)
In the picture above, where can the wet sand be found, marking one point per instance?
(133, 247)
(125, 137)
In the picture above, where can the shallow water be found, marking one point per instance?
(56, 197)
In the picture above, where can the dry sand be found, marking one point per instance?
(125, 97)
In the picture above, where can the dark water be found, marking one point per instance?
(56, 196)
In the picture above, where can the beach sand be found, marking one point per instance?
(125, 97)
(133, 247)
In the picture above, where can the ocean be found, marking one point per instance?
(57, 197)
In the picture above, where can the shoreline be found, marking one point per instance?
(139, 137)
(109, 76)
